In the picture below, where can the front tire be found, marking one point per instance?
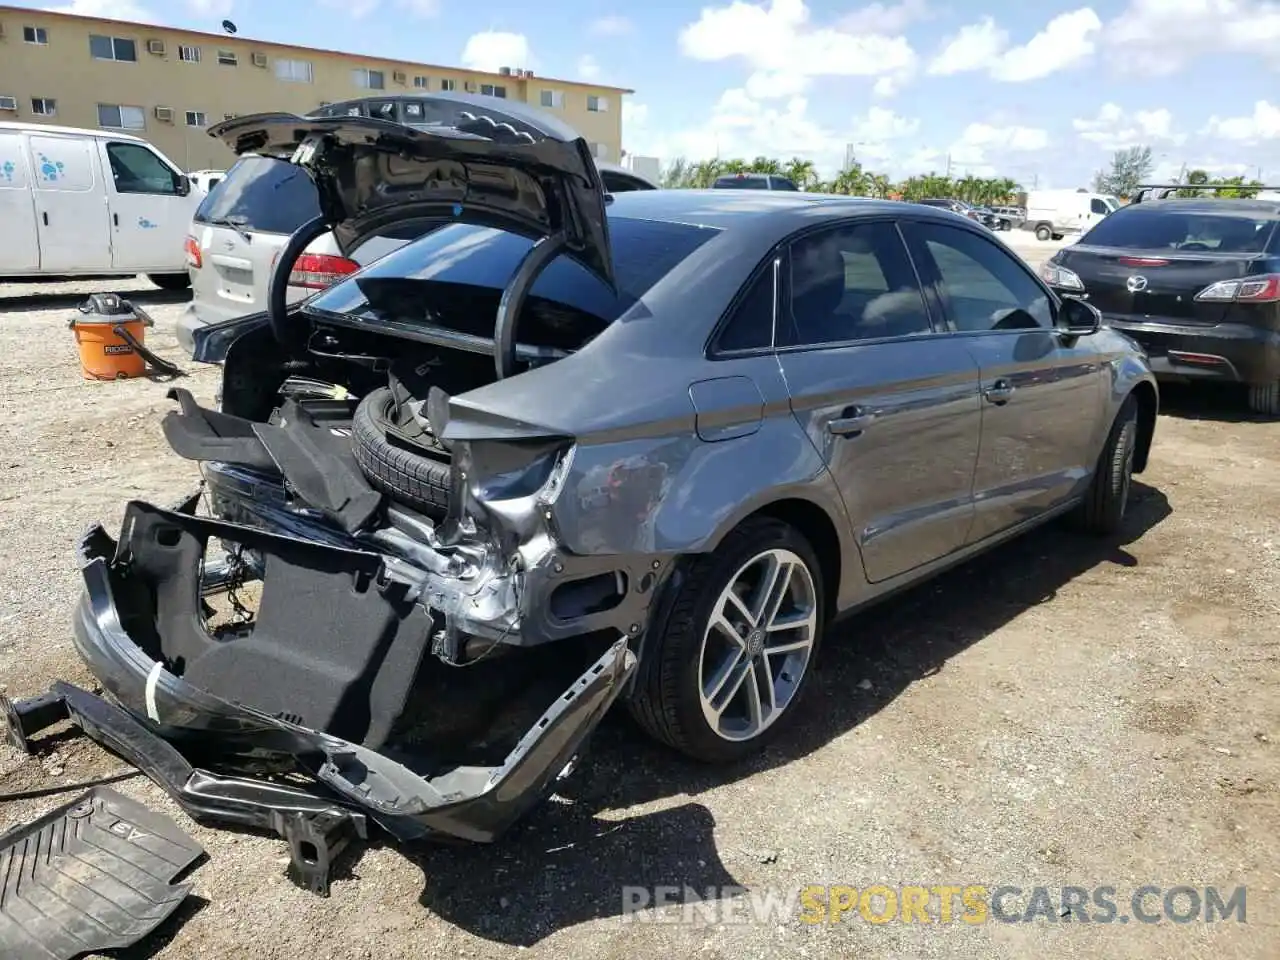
(1043, 232)
(1102, 512)
(725, 666)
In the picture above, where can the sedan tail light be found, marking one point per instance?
(315, 271)
(1061, 277)
(1264, 288)
(192, 248)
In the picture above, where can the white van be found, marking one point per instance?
(1055, 213)
(91, 203)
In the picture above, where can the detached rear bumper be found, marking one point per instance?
(166, 717)
(1233, 352)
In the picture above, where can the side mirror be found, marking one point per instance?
(1077, 318)
(184, 185)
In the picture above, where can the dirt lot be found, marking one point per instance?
(1061, 712)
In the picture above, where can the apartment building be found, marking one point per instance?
(167, 85)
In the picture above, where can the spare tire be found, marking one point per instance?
(418, 480)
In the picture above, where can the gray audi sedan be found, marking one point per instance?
(568, 450)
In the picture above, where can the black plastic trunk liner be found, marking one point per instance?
(91, 875)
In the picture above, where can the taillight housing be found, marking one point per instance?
(1058, 276)
(192, 248)
(316, 271)
(1264, 288)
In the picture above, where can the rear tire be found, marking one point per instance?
(1102, 512)
(170, 281)
(415, 480)
(697, 678)
(1043, 232)
(1264, 398)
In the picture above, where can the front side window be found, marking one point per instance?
(112, 48)
(983, 286)
(136, 169)
(851, 284)
(1097, 206)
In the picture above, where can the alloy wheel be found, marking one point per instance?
(757, 644)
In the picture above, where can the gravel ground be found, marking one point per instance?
(1060, 712)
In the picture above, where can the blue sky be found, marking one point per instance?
(1041, 92)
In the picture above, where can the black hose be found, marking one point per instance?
(278, 286)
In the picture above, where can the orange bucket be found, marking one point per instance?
(104, 354)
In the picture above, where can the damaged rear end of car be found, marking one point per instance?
(366, 612)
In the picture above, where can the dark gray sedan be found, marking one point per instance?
(568, 449)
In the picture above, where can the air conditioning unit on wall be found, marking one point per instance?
(259, 59)
(9, 104)
(164, 114)
(398, 77)
(156, 47)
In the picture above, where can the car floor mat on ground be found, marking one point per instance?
(91, 875)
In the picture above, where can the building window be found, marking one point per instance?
(448, 84)
(294, 71)
(188, 54)
(35, 35)
(597, 104)
(420, 83)
(112, 48)
(227, 58)
(196, 118)
(368, 79)
(113, 116)
(44, 107)
(553, 98)
(490, 90)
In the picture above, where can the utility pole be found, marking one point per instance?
(948, 165)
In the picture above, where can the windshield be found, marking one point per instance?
(263, 195)
(455, 276)
(1143, 228)
(1112, 202)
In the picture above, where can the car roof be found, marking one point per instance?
(733, 210)
(42, 128)
(1220, 206)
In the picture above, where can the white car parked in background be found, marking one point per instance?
(77, 202)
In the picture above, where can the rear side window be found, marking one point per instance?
(1155, 229)
(849, 284)
(482, 260)
(262, 195)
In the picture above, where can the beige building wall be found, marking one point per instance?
(195, 74)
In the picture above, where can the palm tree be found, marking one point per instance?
(801, 172)
(765, 165)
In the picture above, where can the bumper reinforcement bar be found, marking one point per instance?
(316, 827)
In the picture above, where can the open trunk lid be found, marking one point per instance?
(373, 173)
(1157, 284)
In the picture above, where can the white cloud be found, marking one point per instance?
(416, 8)
(614, 26)
(1066, 40)
(979, 140)
(1262, 124)
(1159, 37)
(777, 38)
(493, 49)
(885, 18)
(107, 9)
(974, 47)
(588, 67)
(1114, 129)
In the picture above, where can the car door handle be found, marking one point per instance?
(115, 218)
(45, 215)
(851, 422)
(999, 392)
